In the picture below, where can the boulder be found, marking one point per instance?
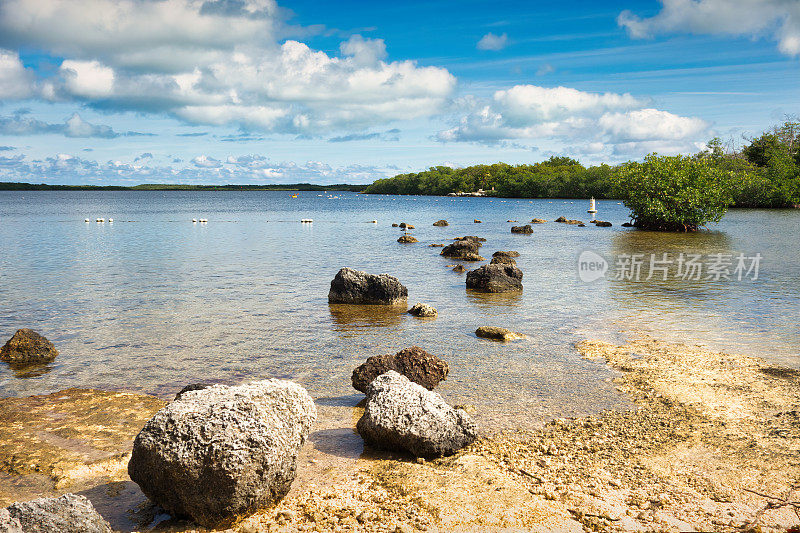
(526, 229)
(436, 245)
(356, 287)
(221, 453)
(509, 253)
(539, 221)
(474, 238)
(414, 363)
(441, 223)
(561, 219)
(497, 334)
(472, 257)
(395, 225)
(478, 221)
(403, 225)
(495, 278)
(460, 249)
(502, 260)
(509, 220)
(409, 226)
(423, 311)
(568, 221)
(602, 224)
(27, 347)
(69, 513)
(403, 416)
(459, 268)
(407, 239)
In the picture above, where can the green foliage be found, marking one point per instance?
(674, 193)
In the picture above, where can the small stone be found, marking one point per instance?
(497, 334)
(407, 239)
(477, 221)
(441, 223)
(423, 311)
(538, 221)
(459, 268)
(526, 229)
(27, 347)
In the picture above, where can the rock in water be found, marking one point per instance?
(441, 223)
(462, 249)
(497, 334)
(401, 415)
(526, 229)
(471, 238)
(407, 239)
(356, 287)
(423, 311)
(495, 278)
(509, 253)
(221, 453)
(538, 221)
(502, 260)
(602, 224)
(69, 513)
(414, 363)
(27, 347)
(459, 268)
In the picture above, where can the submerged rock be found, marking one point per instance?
(526, 229)
(423, 311)
(221, 453)
(497, 334)
(495, 278)
(401, 415)
(538, 221)
(407, 239)
(356, 287)
(602, 224)
(414, 363)
(441, 223)
(69, 513)
(27, 347)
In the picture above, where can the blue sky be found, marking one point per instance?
(253, 91)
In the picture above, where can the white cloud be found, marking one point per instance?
(493, 42)
(204, 161)
(74, 126)
(218, 62)
(588, 123)
(779, 19)
(16, 82)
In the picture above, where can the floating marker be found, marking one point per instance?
(86, 220)
(307, 220)
(194, 220)
(111, 220)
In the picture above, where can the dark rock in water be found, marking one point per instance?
(409, 226)
(568, 221)
(561, 219)
(474, 238)
(526, 229)
(436, 245)
(193, 386)
(403, 225)
(395, 225)
(627, 225)
(459, 268)
(472, 257)
(221, 453)
(497, 334)
(405, 239)
(511, 221)
(356, 287)
(508, 253)
(478, 221)
(539, 221)
(460, 249)
(423, 311)
(69, 513)
(502, 260)
(414, 363)
(441, 223)
(581, 225)
(401, 415)
(602, 224)
(495, 278)
(27, 347)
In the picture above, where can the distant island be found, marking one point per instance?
(13, 186)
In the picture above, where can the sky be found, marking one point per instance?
(122, 92)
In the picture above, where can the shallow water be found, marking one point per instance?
(152, 301)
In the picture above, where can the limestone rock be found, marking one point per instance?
(27, 347)
(497, 334)
(495, 278)
(221, 453)
(69, 513)
(538, 221)
(423, 311)
(407, 239)
(461, 249)
(526, 229)
(401, 415)
(414, 363)
(459, 268)
(502, 260)
(509, 253)
(441, 223)
(356, 287)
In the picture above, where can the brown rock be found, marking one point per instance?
(414, 363)
(497, 334)
(405, 239)
(459, 268)
(502, 260)
(495, 278)
(526, 229)
(441, 223)
(461, 249)
(538, 221)
(509, 253)
(478, 221)
(27, 347)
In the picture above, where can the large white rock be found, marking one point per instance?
(69, 513)
(401, 415)
(220, 453)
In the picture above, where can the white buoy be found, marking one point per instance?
(592, 208)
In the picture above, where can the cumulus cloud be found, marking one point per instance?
(67, 168)
(218, 63)
(778, 19)
(16, 82)
(493, 42)
(588, 122)
(388, 135)
(22, 123)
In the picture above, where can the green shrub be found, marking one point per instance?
(673, 193)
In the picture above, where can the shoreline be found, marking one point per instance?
(712, 440)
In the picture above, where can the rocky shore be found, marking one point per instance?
(713, 444)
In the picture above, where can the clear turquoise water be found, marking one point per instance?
(153, 302)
